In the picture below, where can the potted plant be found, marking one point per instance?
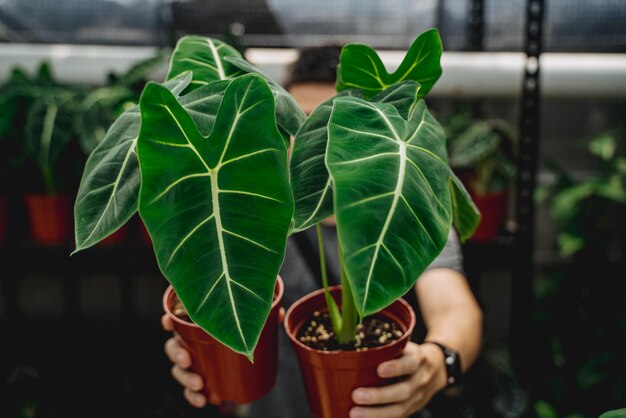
(203, 159)
(39, 120)
(482, 152)
(376, 158)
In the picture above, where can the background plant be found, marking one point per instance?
(579, 316)
(481, 150)
(43, 120)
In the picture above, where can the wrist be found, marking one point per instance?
(452, 367)
(436, 359)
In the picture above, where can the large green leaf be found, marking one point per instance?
(391, 196)
(109, 189)
(289, 114)
(311, 184)
(360, 66)
(210, 60)
(217, 209)
(466, 215)
(205, 58)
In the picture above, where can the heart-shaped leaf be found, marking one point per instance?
(109, 188)
(217, 209)
(289, 114)
(391, 196)
(360, 66)
(311, 184)
(204, 57)
(211, 60)
(466, 215)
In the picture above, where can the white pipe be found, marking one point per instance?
(465, 74)
(81, 64)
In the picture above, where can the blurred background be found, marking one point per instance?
(535, 88)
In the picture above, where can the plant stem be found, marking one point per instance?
(348, 309)
(48, 179)
(333, 309)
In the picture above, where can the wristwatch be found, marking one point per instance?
(453, 368)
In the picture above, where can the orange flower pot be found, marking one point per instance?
(331, 376)
(230, 376)
(49, 218)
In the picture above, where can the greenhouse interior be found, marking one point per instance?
(187, 188)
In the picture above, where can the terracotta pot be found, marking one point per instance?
(331, 376)
(3, 218)
(229, 376)
(492, 207)
(49, 218)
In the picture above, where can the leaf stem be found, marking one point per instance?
(333, 309)
(348, 309)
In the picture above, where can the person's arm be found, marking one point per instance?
(451, 314)
(452, 317)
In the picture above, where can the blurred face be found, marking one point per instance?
(310, 95)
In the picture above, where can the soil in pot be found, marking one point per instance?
(375, 331)
(229, 376)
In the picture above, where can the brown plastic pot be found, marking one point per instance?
(3, 218)
(492, 207)
(229, 376)
(49, 218)
(331, 376)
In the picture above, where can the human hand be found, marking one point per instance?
(181, 358)
(425, 374)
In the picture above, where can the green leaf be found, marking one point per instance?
(311, 184)
(217, 209)
(475, 145)
(404, 96)
(289, 114)
(391, 196)
(604, 147)
(109, 188)
(545, 410)
(312, 190)
(466, 216)
(360, 66)
(205, 57)
(97, 112)
(617, 413)
(211, 60)
(49, 130)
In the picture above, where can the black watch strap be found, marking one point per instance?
(453, 364)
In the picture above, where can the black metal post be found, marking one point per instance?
(528, 153)
(475, 25)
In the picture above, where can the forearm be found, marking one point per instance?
(451, 314)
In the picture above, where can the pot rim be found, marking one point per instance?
(166, 296)
(407, 334)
